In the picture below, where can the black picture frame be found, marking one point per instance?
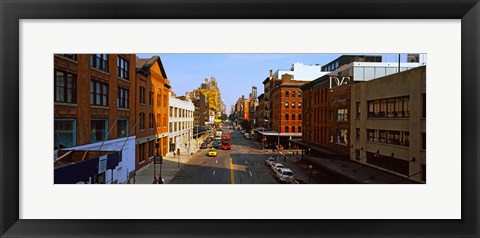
(12, 11)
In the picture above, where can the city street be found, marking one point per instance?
(243, 164)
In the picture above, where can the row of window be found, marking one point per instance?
(142, 97)
(100, 62)
(179, 112)
(400, 138)
(293, 104)
(151, 121)
(341, 115)
(338, 136)
(181, 125)
(388, 107)
(65, 131)
(288, 93)
(299, 129)
(287, 117)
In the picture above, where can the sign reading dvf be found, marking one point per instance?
(336, 81)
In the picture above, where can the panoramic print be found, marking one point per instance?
(290, 119)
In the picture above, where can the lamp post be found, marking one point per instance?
(310, 174)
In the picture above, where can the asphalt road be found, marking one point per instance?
(243, 164)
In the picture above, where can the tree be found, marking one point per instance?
(231, 117)
(223, 117)
(245, 125)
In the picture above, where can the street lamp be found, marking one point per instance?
(310, 174)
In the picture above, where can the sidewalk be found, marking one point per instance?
(170, 167)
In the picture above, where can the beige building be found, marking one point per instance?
(388, 125)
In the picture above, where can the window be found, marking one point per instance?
(150, 121)
(299, 105)
(286, 105)
(98, 93)
(393, 137)
(370, 135)
(342, 136)
(64, 133)
(293, 104)
(299, 129)
(122, 66)
(331, 135)
(357, 133)
(286, 94)
(141, 152)
(299, 94)
(142, 95)
(122, 127)
(406, 107)
(286, 117)
(70, 56)
(424, 141)
(158, 120)
(358, 109)
(299, 117)
(122, 98)
(150, 98)
(293, 94)
(391, 107)
(293, 129)
(382, 136)
(293, 117)
(331, 115)
(424, 105)
(357, 154)
(342, 114)
(142, 121)
(286, 128)
(98, 130)
(99, 61)
(65, 87)
(405, 141)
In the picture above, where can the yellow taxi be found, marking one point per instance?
(212, 152)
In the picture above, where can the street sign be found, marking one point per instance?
(157, 159)
(102, 164)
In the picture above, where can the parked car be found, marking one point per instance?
(284, 175)
(212, 152)
(204, 145)
(276, 166)
(215, 145)
(269, 161)
(247, 136)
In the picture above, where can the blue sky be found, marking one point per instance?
(235, 73)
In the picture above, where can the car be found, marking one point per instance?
(269, 161)
(226, 146)
(276, 166)
(247, 136)
(212, 152)
(203, 145)
(284, 175)
(215, 145)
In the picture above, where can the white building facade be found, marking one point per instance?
(300, 71)
(180, 128)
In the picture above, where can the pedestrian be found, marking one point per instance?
(285, 158)
(155, 180)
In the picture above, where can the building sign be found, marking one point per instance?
(102, 164)
(336, 81)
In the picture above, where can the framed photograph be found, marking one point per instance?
(239, 118)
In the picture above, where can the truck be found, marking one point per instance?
(218, 133)
(226, 141)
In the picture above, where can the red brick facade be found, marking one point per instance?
(81, 109)
(287, 106)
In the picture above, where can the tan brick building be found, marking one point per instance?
(152, 104)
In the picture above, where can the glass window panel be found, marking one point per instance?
(358, 73)
(369, 73)
(379, 72)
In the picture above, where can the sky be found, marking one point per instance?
(235, 73)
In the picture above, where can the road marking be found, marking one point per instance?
(245, 162)
(232, 177)
(213, 172)
(216, 162)
(250, 173)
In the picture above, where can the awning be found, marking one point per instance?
(79, 165)
(274, 133)
(314, 147)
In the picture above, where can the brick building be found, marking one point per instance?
(286, 111)
(152, 103)
(92, 107)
